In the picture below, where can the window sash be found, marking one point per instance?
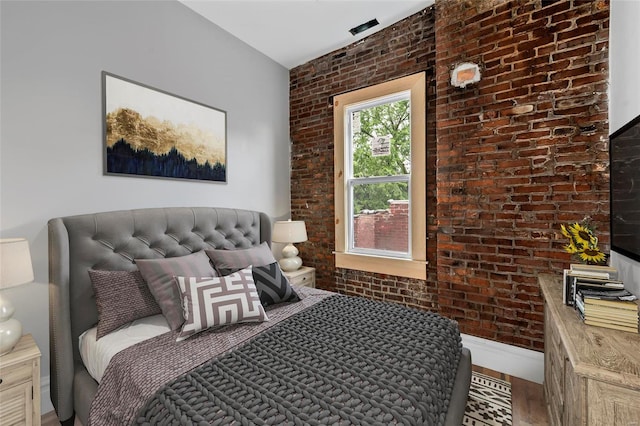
(351, 184)
(372, 103)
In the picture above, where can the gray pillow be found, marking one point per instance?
(121, 297)
(159, 275)
(272, 285)
(214, 302)
(229, 261)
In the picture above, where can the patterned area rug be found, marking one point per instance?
(489, 402)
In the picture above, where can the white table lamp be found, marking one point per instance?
(15, 269)
(289, 231)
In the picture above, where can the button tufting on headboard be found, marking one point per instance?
(112, 241)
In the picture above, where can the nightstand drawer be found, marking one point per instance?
(306, 280)
(305, 276)
(18, 373)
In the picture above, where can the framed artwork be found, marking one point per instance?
(152, 133)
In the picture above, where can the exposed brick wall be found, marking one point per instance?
(384, 229)
(364, 230)
(402, 49)
(518, 153)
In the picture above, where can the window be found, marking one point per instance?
(380, 199)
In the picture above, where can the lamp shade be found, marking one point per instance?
(289, 231)
(15, 262)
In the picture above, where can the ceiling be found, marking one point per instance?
(292, 32)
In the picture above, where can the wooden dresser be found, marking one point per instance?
(591, 374)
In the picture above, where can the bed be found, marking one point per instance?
(306, 344)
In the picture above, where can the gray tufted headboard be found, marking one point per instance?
(112, 240)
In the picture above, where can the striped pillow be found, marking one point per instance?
(273, 286)
(159, 275)
(210, 302)
(229, 261)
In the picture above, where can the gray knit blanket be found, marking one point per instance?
(342, 361)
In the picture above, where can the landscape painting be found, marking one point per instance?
(152, 133)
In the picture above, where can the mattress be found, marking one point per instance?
(96, 353)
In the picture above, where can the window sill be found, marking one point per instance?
(408, 268)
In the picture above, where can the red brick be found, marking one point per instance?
(498, 185)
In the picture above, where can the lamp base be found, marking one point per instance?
(290, 264)
(10, 333)
(10, 328)
(290, 261)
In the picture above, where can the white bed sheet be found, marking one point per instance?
(96, 354)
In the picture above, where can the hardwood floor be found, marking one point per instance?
(527, 401)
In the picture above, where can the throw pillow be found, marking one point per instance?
(159, 275)
(229, 261)
(273, 285)
(121, 297)
(210, 302)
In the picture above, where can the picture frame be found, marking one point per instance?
(148, 132)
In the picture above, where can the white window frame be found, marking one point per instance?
(413, 264)
(352, 182)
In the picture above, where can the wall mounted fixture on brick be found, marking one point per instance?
(509, 158)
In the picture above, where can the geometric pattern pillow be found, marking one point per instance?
(273, 286)
(121, 297)
(229, 261)
(211, 302)
(159, 275)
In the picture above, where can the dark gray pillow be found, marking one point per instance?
(159, 275)
(121, 297)
(272, 285)
(229, 261)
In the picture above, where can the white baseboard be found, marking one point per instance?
(512, 360)
(45, 395)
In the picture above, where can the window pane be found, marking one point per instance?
(381, 216)
(381, 140)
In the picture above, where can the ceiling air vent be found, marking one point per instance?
(364, 27)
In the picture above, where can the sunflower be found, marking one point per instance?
(592, 256)
(583, 243)
(571, 248)
(582, 235)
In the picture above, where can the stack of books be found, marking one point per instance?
(588, 276)
(610, 309)
(600, 298)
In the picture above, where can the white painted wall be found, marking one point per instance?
(52, 54)
(624, 97)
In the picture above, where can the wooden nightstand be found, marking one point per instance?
(305, 276)
(20, 384)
